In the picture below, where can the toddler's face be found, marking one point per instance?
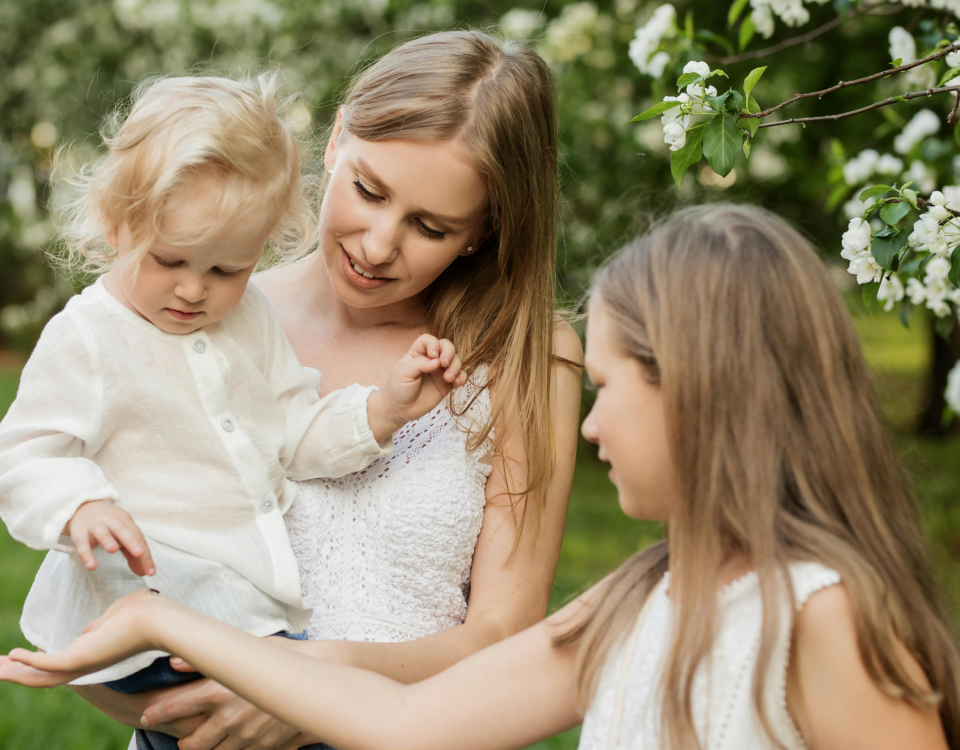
(627, 421)
(182, 287)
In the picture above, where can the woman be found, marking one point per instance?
(439, 215)
(792, 605)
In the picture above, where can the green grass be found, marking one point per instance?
(598, 537)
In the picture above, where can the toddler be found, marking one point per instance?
(164, 402)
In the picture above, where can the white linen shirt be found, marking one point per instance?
(197, 436)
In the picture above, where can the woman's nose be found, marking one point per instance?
(381, 243)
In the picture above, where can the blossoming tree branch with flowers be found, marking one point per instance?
(902, 247)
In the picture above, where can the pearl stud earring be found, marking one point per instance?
(469, 250)
(329, 170)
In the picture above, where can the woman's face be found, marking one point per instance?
(395, 214)
(627, 422)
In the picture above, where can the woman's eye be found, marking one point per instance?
(366, 194)
(430, 234)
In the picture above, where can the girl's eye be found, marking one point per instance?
(430, 234)
(221, 272)
(167, 263)
(366, 194)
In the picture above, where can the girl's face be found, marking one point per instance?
(627, 422)
(396, 213)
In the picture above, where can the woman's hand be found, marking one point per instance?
(123, 631)
(230, 722)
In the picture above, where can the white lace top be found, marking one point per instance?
(385, 553)
(625, 714)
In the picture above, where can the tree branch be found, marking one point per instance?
(953, 111)
(857, 82)
(921, 203)
(804, 38)
(876, 105)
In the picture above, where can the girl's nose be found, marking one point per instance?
(589, 428)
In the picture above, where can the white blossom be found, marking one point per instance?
(937, 269)
(952, 394)
(699, 67)
(953, 59)
(902, 45)
(518, 23)
(763, 21)
(856, 239)
(675, 135)
(854, 208)
(916, 291)
(646, 41)
(890, 292)
(924, 123)
(865, 268)
(859, 169)
(889, 164)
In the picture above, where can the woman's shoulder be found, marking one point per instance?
(566, 341)
(283, 287)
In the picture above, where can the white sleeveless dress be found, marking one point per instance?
(625, 714)
(385, 554)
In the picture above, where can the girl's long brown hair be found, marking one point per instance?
(780, 451)
(496, 99)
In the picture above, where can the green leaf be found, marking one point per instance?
(954, 274)
(906, 312)
(721, 142)
(747, 30)
(708, 36)
(687, 78)
(752, 78)
(735, 103)
(870, 295)
(949, 75)
(873, 192)
(689, 155)
(886, 250)
(944, 325)
(838, 193)
(688, 25)
(910, 197)
(734, 13)
(746, 147)
(717, 102)
(892, 213)
(896, 63)
(654, 111)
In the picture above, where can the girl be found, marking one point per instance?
(166, 398)
(792, 605)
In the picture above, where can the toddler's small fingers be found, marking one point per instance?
(102, 534)
(447, 352)
(428, 345)
(82, 545)
(129, 535)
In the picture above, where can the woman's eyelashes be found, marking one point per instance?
(422, 229)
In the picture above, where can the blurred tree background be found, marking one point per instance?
(65, 64)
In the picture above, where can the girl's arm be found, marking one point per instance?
(127, 709)
(834, 702)
(507, 696)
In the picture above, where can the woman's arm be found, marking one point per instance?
(507, 696)
(834, 702)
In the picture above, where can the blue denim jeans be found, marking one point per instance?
(161, 675)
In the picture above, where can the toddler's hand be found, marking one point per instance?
(417, 383)
(101, 523)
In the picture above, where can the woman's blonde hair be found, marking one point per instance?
(495, 99)
(179, 130)
(780, 451)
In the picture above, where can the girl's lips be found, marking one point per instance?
(357, 279)
(180, 315)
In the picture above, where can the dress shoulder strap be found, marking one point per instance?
(810, 577)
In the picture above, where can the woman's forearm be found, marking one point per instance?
(408, 661)
(127, 709)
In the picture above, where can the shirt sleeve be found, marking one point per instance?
(49, 434)
(325, 437)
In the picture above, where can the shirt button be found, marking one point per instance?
(200, 345)
(266, 503)
(227, 424)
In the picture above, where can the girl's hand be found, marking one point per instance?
(417, 383)
(123, 631)
(101, 523)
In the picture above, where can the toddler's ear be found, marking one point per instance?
(112, 234)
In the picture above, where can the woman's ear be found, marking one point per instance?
(330, 154)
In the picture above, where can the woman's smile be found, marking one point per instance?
(358, 275)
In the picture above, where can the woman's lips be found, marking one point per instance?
(182, 316)
(358, 279)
